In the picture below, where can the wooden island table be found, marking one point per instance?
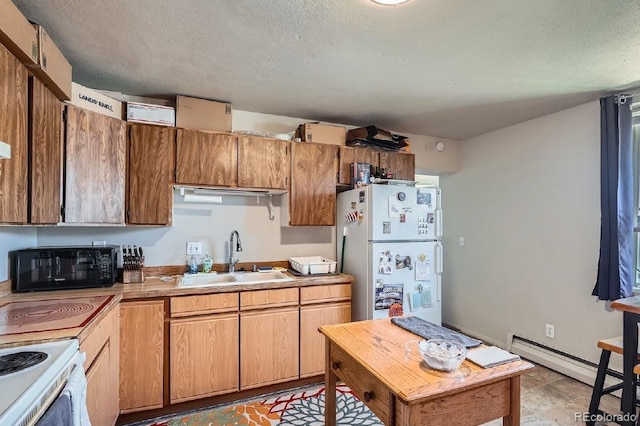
(371, 358)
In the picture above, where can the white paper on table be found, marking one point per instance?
(394, 209)
(423, 270)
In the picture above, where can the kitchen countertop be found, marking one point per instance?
(153, 287)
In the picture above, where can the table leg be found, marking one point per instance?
(329, 388)
(513, 419)
(630, 350)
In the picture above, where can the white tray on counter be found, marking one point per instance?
(313, 265)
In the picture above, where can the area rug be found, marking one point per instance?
(304, 406)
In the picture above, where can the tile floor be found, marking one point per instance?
(550, 398)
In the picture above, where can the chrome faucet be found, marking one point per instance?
(232, 261)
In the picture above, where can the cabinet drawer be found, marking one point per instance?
(325, 293)
(204, 304)
(268, 298)
(361, 382)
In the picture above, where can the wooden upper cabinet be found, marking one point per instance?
(94, 168)
(204, 158)
(400, 163)
(46, 154)
(312, 198)
(263, 163)
(13, 131)
(151, 164)
(350, 155)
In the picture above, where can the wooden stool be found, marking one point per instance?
(607, 346)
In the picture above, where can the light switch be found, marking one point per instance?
(461, 242)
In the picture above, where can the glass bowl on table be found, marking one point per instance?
(442, 355)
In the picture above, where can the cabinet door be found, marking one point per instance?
(204, 356)
(102, 405)
(269, 347)
(151, 158)
(206, 158)
(313, 184)
(46, 154)
(94, 168)
(141, 355)
(312, 351)
(399, 163)
(263, 163)
(13, 131)
(350, 155)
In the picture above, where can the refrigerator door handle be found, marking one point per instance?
(439, 265)
(439, 269)
(439, 223)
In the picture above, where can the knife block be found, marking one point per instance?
(132, 276)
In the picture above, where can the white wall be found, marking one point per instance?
(527, 202)
(262, 239)
(12, 238)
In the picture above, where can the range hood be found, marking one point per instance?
(5, 150)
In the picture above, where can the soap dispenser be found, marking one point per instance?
(193, 265)
(207, 263)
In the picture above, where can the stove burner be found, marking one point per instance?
(19, 361)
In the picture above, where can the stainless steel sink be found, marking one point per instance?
(234, 278)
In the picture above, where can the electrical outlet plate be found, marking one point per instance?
(194, 247)
(550, 331)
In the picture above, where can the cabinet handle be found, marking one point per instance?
(336, 365)
(368, 396)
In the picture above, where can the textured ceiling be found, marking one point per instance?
(446, 68)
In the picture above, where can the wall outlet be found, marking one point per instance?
(550, 331)
(194, 247)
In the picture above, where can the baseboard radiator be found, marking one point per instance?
(570, 365)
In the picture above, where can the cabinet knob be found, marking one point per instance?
(368, 396)
(336, 365)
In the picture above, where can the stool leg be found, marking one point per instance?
(599, 384)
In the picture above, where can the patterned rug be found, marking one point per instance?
(304, 406)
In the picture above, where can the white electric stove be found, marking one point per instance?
(31, 377)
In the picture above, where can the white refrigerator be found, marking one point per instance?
(390, 236)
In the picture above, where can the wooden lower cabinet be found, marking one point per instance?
(269, 347)
(311, 341)
(141, 355)
(320, 305)
(103, 408)
(101, 368)
(204, 356)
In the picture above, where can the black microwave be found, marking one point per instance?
(59, 268)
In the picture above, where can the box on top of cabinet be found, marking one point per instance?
(203, 114)
(17, 34)
(138, 112)
(322, 133)
(52, 68)
(95, 101)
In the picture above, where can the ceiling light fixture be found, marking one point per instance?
(389, 2)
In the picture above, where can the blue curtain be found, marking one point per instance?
(616, 275)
